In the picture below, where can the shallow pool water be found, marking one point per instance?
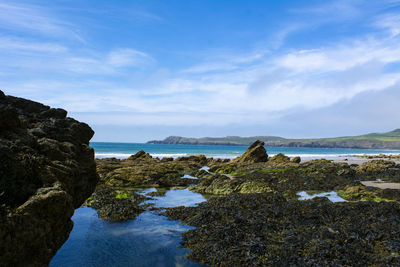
(205, 168)
(177, 197)
(149, 240)
(187, 176)
(332, 196)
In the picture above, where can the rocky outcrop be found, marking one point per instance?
(47, 169)
(255, 153)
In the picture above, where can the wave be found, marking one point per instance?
(232, 156)
(127, 155)
(112, 155)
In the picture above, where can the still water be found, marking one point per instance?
(149, 240)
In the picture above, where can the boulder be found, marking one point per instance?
(47, 170)
(296, 160)
(255, 153)
(280, 158)
(141, 155)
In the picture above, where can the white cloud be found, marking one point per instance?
(128, 57)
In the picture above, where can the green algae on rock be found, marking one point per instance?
(47, 169)
(114, 204)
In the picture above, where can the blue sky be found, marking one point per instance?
(142, 70)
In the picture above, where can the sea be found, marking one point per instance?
(124, 150)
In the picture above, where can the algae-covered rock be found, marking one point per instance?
(268, 230)
(383, 169)
(279, 175)
(280, 158)
(47, 169)
(141, 155)
(296, 160)
(142, 169)
(254, 153)
(114, 204)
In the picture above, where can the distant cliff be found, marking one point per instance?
(47, 170)
(390, 140)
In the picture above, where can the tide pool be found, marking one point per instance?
(149, 240)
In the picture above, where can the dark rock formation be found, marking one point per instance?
(255, 153)
(47, 169)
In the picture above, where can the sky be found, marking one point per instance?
(143, 70)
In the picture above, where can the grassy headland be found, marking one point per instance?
(389, 140)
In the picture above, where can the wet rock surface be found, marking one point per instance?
(268, 230)
(47, 169)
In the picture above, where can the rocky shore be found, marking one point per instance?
(268, 230)
(47, 170)
(256, 219)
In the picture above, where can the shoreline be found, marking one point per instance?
(350, 159)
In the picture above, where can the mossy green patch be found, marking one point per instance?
(123, 195)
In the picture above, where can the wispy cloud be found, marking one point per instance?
(31, 18)
(23, 45)
(390, 22)
(128, 57)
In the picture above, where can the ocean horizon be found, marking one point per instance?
(124, 150)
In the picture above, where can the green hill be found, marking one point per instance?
(389, 140)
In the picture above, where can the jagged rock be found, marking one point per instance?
(47, 169)
(255, 153)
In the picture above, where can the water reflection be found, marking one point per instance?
(332, 196)
(149, 240)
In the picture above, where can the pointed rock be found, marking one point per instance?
(255, 153)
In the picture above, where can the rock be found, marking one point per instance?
(140, 155)
(116, 204)
(141, 170)
(268, 230)
(254, 153)
(279, 158)
(383, 169)
(47, 170)
(296, 160)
